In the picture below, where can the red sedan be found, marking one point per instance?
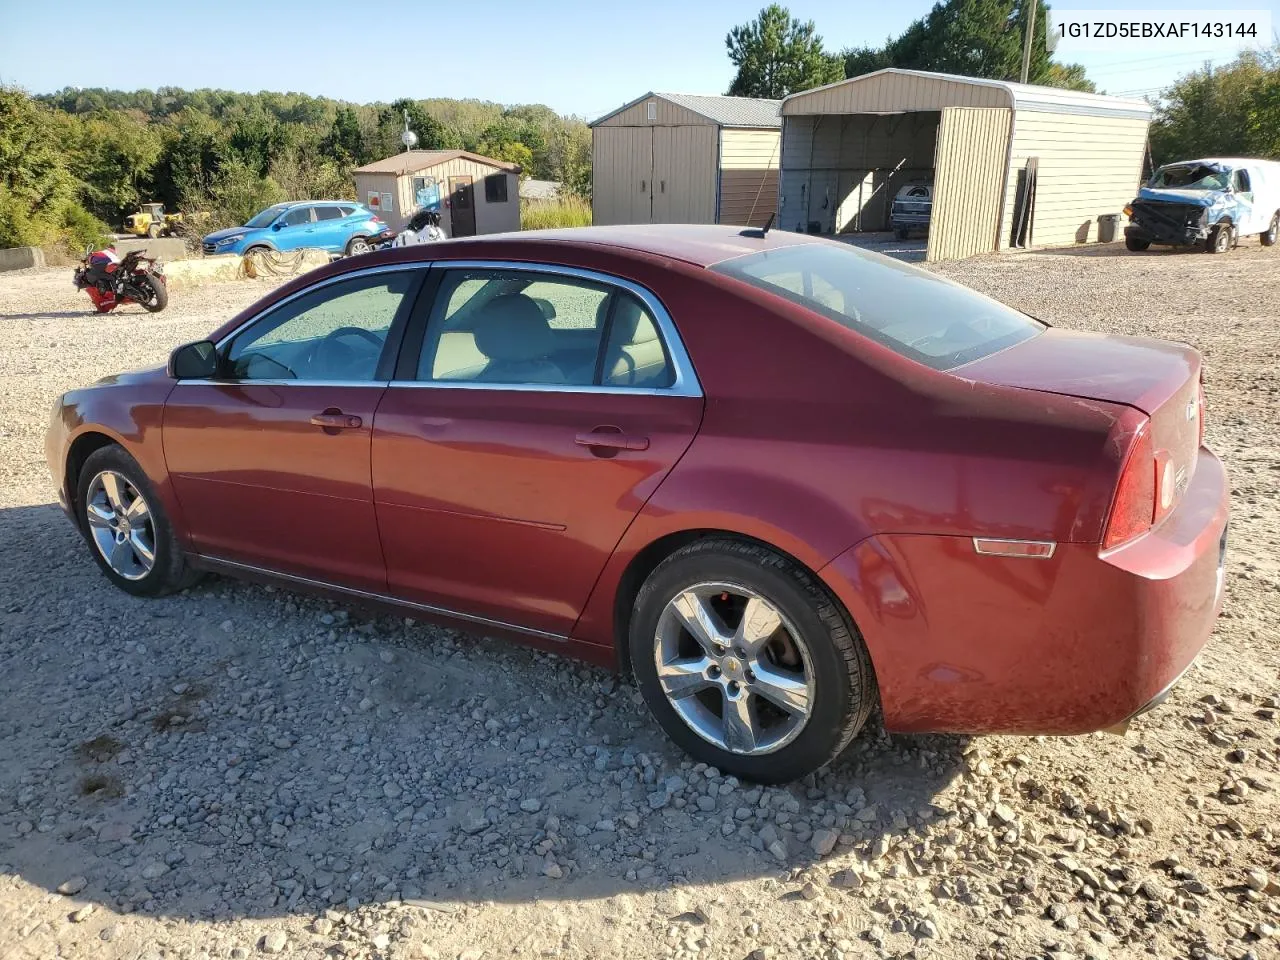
(777, 478)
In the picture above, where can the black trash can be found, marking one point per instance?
(1108, 227)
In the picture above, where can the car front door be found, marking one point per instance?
(293, 229)
(1247, 216)
(270, 460)
(523, 433)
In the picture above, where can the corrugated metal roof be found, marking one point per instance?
(413, 161)
(1022, 96)
(726, 111)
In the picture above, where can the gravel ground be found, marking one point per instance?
(240, 770)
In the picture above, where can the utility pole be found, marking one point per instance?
(1028, 39)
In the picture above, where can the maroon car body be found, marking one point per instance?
(960, 516)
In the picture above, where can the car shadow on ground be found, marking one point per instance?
(240, 751)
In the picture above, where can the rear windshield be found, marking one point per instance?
(918, 314)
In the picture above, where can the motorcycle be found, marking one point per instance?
(111, 280)
(423, 227)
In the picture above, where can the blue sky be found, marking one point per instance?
(578, 56)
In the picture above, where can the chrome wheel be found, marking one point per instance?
(120, 525)
(359, 246)
(734, 668)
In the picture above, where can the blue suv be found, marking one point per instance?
(338, 226)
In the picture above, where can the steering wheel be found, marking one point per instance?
(330, 353)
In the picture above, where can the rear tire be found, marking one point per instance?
(160, 295)
(357, 246)
(1220, 239)
(1273, 232)
(112, 486)
(791, 663)
(1136, 245)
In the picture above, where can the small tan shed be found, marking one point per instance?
(477, 194)
(1012, 165)
(684, 158)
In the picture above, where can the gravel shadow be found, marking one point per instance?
(240, 751)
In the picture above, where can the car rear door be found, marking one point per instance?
(328, 232)
(270, 460)
(523, 432)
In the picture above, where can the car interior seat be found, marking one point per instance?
(513, 334)
(636, 357)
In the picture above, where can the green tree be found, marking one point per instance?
(1233, 110)
(972, 38)
(344, 144)
(776, 55)
(113, 154)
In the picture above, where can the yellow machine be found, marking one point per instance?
(151, 221)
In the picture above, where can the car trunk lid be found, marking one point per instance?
(1157, 377)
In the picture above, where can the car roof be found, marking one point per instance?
(699, 244)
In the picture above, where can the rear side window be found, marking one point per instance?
(915, 313)
(347, 211)
(328, 213)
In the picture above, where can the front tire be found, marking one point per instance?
(1219, 240)
(1273, 232)
(747, 662)
(127, 529)
(153, 231)
(1134, 245)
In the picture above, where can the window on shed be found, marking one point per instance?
(495, 188)
(651, 110)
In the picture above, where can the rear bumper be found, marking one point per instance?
(1080, 642)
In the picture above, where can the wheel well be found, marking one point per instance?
(82, 447)
(647, 560)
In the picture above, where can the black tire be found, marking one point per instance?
(159, 298)
(1273, 232)
(1135, 245)
(357, 246)
(1219, 240)
(153, 231)
(844, 683)
(169, 571)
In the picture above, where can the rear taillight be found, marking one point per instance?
(1133, 509)
(1202, 409)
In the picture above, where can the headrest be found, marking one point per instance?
(512, 328)
(632, 323)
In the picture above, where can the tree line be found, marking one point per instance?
(75, 162)
(777, 54)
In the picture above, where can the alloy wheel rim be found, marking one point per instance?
(359, 246)
(734, 668)
(120, 525)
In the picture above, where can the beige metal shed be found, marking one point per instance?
(477, 194)
(684, 158)
(1012, 165)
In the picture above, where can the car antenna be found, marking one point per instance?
(763, 231)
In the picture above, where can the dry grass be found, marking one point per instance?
(549, 214)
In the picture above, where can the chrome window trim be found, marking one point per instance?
(686, 383)
(386, 598)
(227, 382)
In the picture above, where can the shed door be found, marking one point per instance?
(968, 185)
(685, 160)
(622, 169)
(462, 207)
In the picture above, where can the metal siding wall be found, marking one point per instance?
(669, 114)
(748, 175)
(894, 93)
(1089, 166)
(684, 174)
(973, 144)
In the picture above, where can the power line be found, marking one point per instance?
(1163, 56)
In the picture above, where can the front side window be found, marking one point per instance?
(298, 216)
(267, 216)
(335, 333)
(521, 328)
(1240, 181)
(918, 314)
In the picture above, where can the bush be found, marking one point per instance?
(547, 214)
(79, 228)
(67, 224)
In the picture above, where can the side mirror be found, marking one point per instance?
(278, 225)
(194, 361)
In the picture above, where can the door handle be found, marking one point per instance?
(611, 441)
(336, 420)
